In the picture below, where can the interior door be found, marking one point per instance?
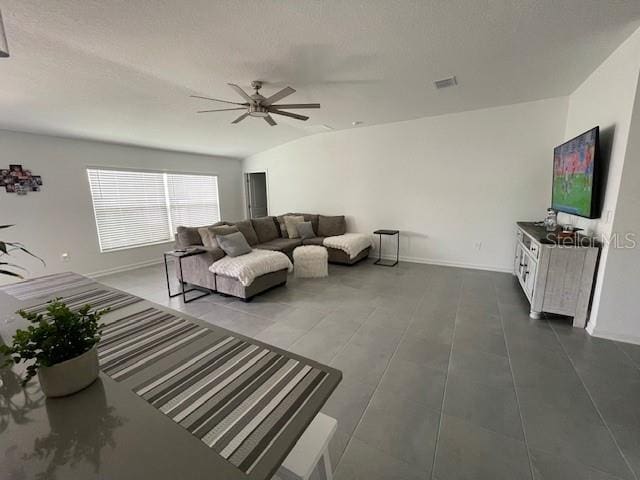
(256, 184)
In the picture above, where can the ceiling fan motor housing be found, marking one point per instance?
(257, 110)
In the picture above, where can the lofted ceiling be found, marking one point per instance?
(122, 71)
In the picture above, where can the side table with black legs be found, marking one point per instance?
(380, 261)
(178, 255)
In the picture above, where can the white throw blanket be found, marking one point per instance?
(350, 243)
(246, 268)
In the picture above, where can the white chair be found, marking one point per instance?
(311, 452)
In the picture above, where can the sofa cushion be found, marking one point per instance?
(331, 226)
(209, 234)
(313, 241)
(233, 244)
(212, 254)
(246, 228)
(305, 230)
(266, 228)
(290, 222)
(280, 244)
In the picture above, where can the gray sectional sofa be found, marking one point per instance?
(263, 233)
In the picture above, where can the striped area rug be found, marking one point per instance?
(136, 340)
(43, 286)
(234, 395)
(96, 297)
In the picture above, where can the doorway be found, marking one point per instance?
(256, 191)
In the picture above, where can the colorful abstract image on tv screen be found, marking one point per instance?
(573, 164)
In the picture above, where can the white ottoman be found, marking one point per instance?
(310, 261)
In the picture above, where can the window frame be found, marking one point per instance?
(170, 225)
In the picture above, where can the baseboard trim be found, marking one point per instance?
(446, 263)
(123, 268)
(618, 337)
(424, 261)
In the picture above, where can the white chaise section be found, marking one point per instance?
(350, 243)
(246, 268)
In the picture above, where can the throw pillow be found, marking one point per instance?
(331, 226)
(290, 222)
(309, 217)
(305, 230)
(188, 236)
(234, 244)
(281, 226)
(213, 232)
(205, 236)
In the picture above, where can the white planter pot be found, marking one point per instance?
(70, 376)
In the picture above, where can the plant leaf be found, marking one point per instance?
(18, 246)
(13, 265)
(10, 273)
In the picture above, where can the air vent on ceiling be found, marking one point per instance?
(446, 82)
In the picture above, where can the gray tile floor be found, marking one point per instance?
(445, 376)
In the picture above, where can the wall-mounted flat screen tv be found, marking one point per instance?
(576, 176)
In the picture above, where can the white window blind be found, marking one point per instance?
(133, 209)
(193, 199)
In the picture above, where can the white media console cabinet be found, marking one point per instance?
(557, 275)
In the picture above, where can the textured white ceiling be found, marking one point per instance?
(123, 70)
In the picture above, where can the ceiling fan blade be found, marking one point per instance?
(288, 114)
(241, 92)
(269, 119)
(241, 117)
(217, 100)
(297, 105)
(221, 110)
(285, 92)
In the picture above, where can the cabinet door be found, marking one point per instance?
(520, 267)
(517, 261)
(530, 280)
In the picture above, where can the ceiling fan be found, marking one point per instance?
(258, 106)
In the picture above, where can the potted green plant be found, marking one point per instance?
(60, 346)
(9, 268)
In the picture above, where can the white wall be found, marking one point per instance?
(60, 217)
(446, 182)
(618, 315)
(606, 98)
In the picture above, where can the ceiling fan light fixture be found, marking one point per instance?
(259, 106)
(4, 46)
(257, 110)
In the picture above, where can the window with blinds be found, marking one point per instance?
(192, 199)
(134, 209)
